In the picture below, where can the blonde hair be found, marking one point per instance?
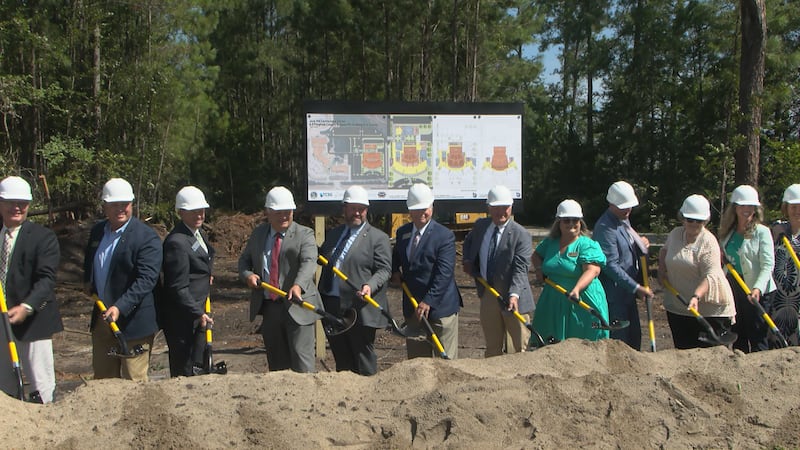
(727, 222)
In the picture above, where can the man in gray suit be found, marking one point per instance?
(499, 250)
(364, 255)
(621, 275)
(284, 254)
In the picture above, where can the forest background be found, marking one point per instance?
(675, 96)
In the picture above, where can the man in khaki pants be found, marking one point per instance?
(121, 265)
(499, 250)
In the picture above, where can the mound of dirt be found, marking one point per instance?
(570, 395)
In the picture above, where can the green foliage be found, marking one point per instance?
(72, 165)
(210, 92)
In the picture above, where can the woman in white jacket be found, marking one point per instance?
(747, 244)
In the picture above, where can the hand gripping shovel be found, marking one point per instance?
(392, 323)
(711, 337)
(764, 316)
(208, 359)
(123, 351)
(427, 324)
(648, 303)
(603, 325)
(12, 345)
(528, 325)
(331, 324)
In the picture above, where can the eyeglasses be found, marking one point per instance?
(693, 220)
(569, 220)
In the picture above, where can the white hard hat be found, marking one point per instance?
(792, 194)
(190, 198)
(420, 196)
(357, 195)
(569, 208)
(696, 207)
(745, 195)
(15, 188)
(117, 190)
(280, 199)
(621, 195)
(499, 196)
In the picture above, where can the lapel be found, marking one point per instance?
(288, 239)
(20, 246)
(118, 251)
(403, 238)
(357, 243)
(194, 244)
(261, 247)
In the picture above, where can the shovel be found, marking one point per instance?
(603, 325)
(790, 249)
(528, 325)
(427, 324)
(331, 324)
(208, 360)
(12, 345)
(123, 351)
(648, 303)
(764, 316)
(392, 323)
(711, 337)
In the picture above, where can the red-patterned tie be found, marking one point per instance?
(274, 269)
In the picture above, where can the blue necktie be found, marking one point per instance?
(332, 283)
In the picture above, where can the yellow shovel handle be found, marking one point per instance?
(791, 251)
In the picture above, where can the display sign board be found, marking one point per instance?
(460, 150)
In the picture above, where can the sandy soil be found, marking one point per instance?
(573, 394)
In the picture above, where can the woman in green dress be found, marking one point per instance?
(573, 260)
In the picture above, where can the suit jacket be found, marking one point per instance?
(368, 261)
(298, 265)
(512, 260)
(132, 276)
(31, 279)
(621, 273)
(431, 275)
(187, 275)
(757, 258)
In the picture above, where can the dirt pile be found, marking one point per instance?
(570, 395)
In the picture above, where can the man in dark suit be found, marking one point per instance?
(188, 261)
(621, 275)
(499, 250)
(122, 265)
(29, 257)
(364, 254)
(284, 254)
(424, 257)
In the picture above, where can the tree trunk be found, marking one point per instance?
(96, 81)
(751, 87)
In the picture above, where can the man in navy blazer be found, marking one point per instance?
(363, 253)
(499, 250)
(121, 265)
(188, 261)
(424, 257)
(28, 279)
(622, 246)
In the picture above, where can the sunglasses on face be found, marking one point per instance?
(693, 220)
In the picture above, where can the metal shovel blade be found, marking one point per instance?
(727, 338)
(335, 326)
(136, 351)
(614, 325)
